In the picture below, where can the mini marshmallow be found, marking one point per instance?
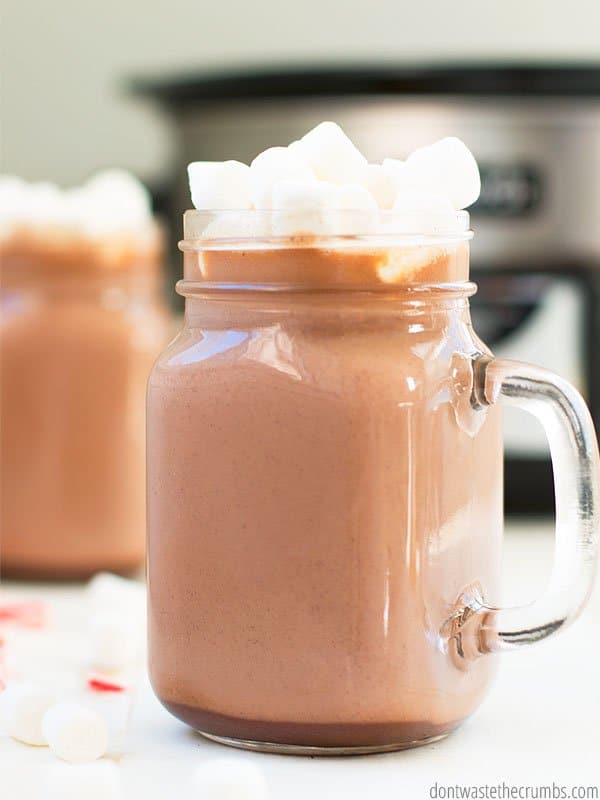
(220, 185)
(296, 148)
(22, 707)
(446, 167)
(13, 201)
(421, 211)
(97, 781)
(355, 196)
(114, 641)
(303, 207)
(402, 263)
(275, 164)
(239, 225)
(331, 155)
(75, 732)
(45, 204)
(110, 202)
(395, 170)
(380, 184)
(358, 210)
(107, 591)
(416, 199)
(229, 779)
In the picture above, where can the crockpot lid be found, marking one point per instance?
(505, 80)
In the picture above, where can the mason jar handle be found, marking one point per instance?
(477, 628)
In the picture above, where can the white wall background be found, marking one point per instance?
(63, 62)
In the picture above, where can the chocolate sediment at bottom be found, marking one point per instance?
(306, 734)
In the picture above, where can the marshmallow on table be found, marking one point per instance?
(220, 185)
(446, 167)
(75, 732)
(97, 781)
(272, 165)
(112, 597)
(229, 779)
(303, 207)
(107, 591)
(114, 640)
(22, 707)
(331, 154)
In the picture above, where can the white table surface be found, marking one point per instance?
(540, 723)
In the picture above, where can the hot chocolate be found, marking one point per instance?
(82, 322)
(304, 550)
(325, 459)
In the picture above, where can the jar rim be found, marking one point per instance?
(348, 228)
(413, 293)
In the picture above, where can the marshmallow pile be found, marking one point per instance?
(110, 202)
(323, 185)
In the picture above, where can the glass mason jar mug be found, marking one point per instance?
(325, 493)
(82, 323)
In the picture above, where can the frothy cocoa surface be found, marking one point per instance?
(80, 329)
(29, 255)
(320, 493)
(301, 262)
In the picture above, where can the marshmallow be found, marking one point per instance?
(296, 148)
(110, 202)
(114, 640)
(422, 200)
(331, 155)
(229, 779)
(354, 196)
(220, 185)
(45, 204)
(97, 781)
(275, 164)
(358, 210)
(380, 183)
(402, 263)
(303, 207)
(74, 732)
(446, 167)
(322, 185)
(22, 707)
(107, 591)
(13, 201)
(419, 211)
(394, 170)
(239, 225)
